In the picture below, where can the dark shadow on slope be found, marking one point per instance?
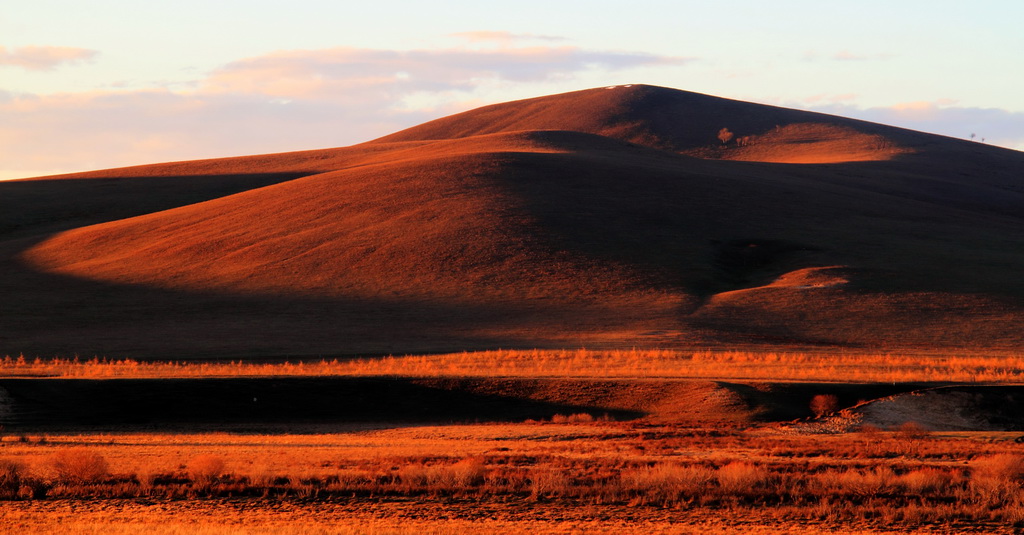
(31, 207)
(679, 223)
(66, 316)
(775, 402)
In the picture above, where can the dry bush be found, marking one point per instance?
(504, 479)
(205, 467)
(466, 473)
(926, 481)
(740, 477)
(546, 483)
(824, 404)
(576, 418)
(869, 482)
(460, 475)
(11, 474)
(79, 465)
(852, 482)
(1003, 466)
(912, 431)
(997, 480)
(869, 430)
(414, 475)
(666, 483)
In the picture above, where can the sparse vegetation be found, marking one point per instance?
(711, 364)
(848, 480)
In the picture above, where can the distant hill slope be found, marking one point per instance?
(606, 217)
(681, 121)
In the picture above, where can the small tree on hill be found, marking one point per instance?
(824, 404)
(724, 135)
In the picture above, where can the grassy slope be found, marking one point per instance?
(479, 230)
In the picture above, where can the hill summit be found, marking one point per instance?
(619, 216)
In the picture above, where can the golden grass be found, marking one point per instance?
(599, 477)
(636, 363)
(225, 518)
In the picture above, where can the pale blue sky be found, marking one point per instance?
(86, 85)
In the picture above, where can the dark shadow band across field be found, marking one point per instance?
(84, 404)
(291, 404)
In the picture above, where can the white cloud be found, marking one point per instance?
(43, 58)
(330, 74)
(287, 100)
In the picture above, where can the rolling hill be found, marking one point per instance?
(622, 216)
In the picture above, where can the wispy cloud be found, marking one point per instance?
(335, 73)
(44, 58)
(997, 126)
(287, 100)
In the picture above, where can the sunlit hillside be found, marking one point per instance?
(630, 216)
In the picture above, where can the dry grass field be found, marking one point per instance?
(994, 366)
(567, 476)
(692, 455)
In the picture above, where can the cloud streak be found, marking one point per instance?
(287, 100)
(998, 126)
(44, 58)
(326, 74)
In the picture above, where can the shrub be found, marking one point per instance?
(869, 430)
(666, 482)
(824, 404)
(996, 479)
(867, 482)
(205, 467)
(550, 482)
(466, 473)
(11, 473)
(79, 465)
(463, 474)
(580, 417)
(912, 430)
(926, 481)
(414, 475)
(740, 477)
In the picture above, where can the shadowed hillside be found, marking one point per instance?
(607, 217)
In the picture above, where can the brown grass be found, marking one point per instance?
(624, 470)
(995, 367)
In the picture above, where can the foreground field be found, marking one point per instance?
(570, 476)
(544, 442)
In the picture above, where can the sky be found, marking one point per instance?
(111, 83)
